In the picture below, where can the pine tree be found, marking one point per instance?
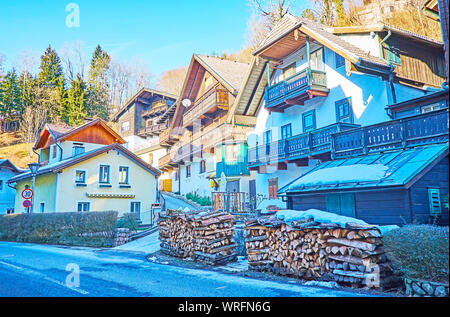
(98, 84)
(51, 72)
(10, 104)
(76, 102)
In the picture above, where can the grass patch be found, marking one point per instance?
(12, 148)
(420, 251)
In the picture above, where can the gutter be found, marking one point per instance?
(392, 67)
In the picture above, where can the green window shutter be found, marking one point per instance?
(434, 199)
(333, 203)
(348, 205)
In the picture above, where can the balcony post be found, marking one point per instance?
(268, 74)
(363, 141)
(308, 56)
(404, 134)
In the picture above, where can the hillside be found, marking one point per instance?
(12, 148)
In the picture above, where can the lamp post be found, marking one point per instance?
(33, 169)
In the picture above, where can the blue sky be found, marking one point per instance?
(163, 33)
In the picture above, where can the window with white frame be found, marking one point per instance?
(42, 207)
(135, 208)
(83, 206)
(125, 126)
(77, 149)
(80, 177)
(124, 175)
(103, 176)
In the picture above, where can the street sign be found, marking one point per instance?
(26, 203)
(27, 193)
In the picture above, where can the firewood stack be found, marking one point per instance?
(207, 238)
(311, 250)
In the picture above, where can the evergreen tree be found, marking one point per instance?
(98, 84)
(76, 102)
(51, 71)
(10, 104)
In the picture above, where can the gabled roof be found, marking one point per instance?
(140, 93)
(61, 132)
(380, 27)
(61, 165)
(7, 164)
(321, 34)
(401, 168)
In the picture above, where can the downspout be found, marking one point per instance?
(392, 67)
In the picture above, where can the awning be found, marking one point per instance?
(396, 168)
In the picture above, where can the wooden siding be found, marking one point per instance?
(437, 177)
(419, 63)
(94, 134)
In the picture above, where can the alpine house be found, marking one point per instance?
(324, 135)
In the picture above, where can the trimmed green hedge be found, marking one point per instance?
(202, 201)
(67, 228)
(420, 251)
(129, 221)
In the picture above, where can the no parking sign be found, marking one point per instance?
(26, 203)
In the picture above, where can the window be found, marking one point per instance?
(83, 206)
(80, 177)
(341, 204)
(103, 176)
(125, 126)
(123, 175)
(430, 108)
(232, 153)
(309, 121)
(175, 175)
(202, 166)
(289, 71)
(1, 185)
(77, 149)
(273, 188)
(434, 199)
(42, 207)
(339, 60)
(54, 150)
(267, 137)
(344, 112)
(316, 60)
(392, 54)
(150, 158)
(286, 131)
(188, 171)
(135, 208)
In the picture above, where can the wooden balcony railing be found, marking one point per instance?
(295, 86)
(303, 145)
(396, 134)
(153, 129)
(214, 98)
(167, 137)
(164, 161)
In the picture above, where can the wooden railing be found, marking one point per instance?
(157, 108)
(396, 134)
(215, 97)
(153, 128)
(164, 161)
(302, 145)
(293, 85)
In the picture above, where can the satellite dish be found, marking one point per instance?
(186, 103)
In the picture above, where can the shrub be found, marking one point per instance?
(94, 229)
(128, 220)
(202, 201)
(420, 251)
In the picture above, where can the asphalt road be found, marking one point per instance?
(38, 270)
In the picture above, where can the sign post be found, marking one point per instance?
(27, 194)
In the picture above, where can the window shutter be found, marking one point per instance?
(275, 188)
(434, 199)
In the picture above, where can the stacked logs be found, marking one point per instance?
(351, 255)
(207, 238)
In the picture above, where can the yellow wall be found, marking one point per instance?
(65, 197)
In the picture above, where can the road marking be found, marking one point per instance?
(45, 277)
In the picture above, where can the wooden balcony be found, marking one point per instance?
(429, 128)
(158, 108)
(155, 129)
(163, 163)
(167, 138)
(213, 100)
(297, 149)
(296, 89)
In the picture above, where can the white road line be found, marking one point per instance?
(45, 277)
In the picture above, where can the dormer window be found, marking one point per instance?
(54, 151)
(77, 149)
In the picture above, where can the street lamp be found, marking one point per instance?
(33, 169)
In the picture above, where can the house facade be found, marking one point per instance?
(142, 119)
(7, 194)
(87, 169)
(207, 149)
(316, 82)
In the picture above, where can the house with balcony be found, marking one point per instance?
(315, 82)
(86, 169)
(142, 119)
(207, 148)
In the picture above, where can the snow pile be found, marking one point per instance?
(341, 175)
(318, 216)
(386, 229)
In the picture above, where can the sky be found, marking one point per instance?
(164, 34)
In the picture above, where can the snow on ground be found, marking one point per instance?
(240, 266)
(318, 215)
(147, 244)
(341, 174)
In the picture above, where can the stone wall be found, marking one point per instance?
(419, 288)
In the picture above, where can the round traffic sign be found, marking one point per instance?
(26, 203)
(27, 193)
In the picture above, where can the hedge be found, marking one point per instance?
(420, 251)
(94, 229)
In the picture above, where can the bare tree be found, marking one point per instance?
(74, 60)
(271, 10)
(172, 80)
